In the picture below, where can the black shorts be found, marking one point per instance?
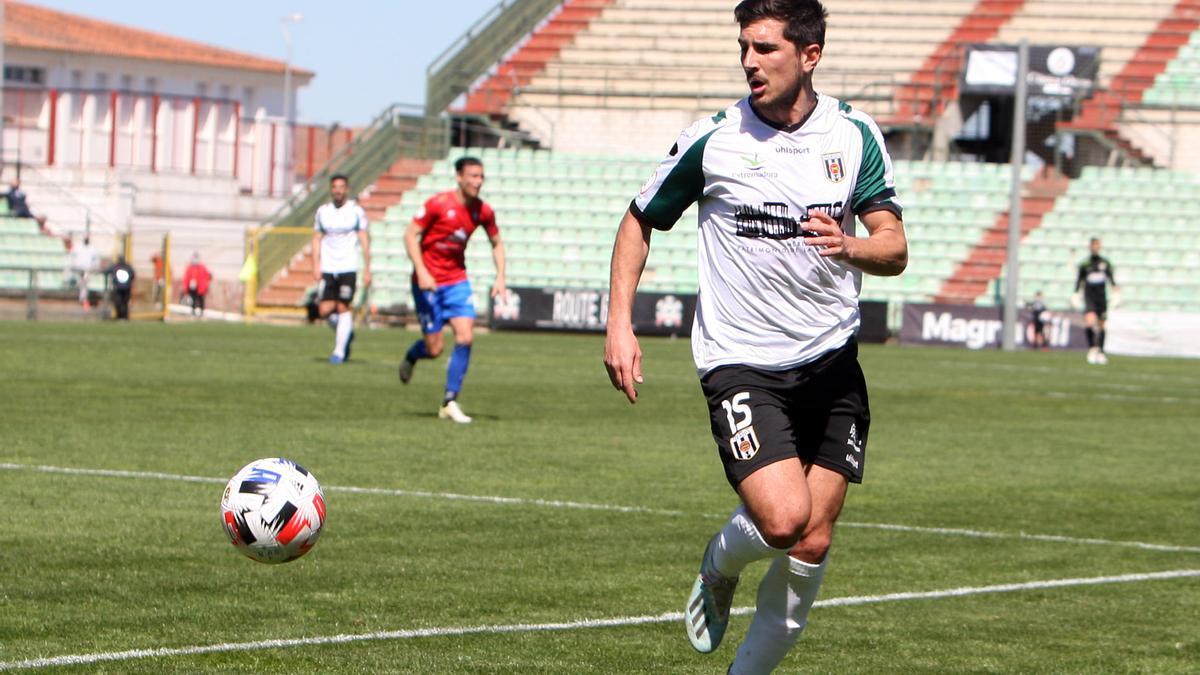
(817, 412)
(1096, 303)
(339, 287)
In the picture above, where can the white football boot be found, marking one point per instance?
(451, 411)
(706, 615)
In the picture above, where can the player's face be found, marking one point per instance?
(338, 190)
(775, 69)
(1095, 246)
(470, 181)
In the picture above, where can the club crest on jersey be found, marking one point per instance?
(835, 169)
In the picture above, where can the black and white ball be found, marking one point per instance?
(273, 510)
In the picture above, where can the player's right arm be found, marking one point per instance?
(676, 184)
(412, 244)
(622, 353)
(318, 235)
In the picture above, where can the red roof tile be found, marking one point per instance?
(39, 28)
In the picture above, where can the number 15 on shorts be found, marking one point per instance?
(743, 442)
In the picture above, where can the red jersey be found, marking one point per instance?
(198, 274)
(446, 225)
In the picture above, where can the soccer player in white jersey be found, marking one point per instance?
(780, 177)
(339, 231)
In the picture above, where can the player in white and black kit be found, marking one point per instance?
(339, 231)
(1091, 291)
(1038, 315)
(780, 177)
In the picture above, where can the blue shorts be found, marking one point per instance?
(435, 308)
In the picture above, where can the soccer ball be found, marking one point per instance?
(273, 510)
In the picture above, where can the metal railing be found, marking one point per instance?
(399, 131)
(480, 48)
(32, 288)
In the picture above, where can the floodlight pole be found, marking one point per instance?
(287, 97)
(2, 154)
(1017, 160)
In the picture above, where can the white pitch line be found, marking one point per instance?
(548, 503)
(984, 534)
(1079, 396)
(1109, 376)
(618, 622)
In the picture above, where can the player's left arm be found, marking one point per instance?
(883, 253)
(500, 285)
(493, 233)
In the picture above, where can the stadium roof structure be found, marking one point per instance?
(35, 27)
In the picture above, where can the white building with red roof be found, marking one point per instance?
(115, 128)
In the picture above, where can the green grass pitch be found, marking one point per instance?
(971, 443)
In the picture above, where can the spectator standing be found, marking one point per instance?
(196, 280)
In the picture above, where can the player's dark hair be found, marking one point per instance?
(339, 176)
(804, 20)
(464, 162)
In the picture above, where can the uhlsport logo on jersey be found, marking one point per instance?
(835, 169)
(856, 447)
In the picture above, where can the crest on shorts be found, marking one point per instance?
(835, 169)
(744, 444)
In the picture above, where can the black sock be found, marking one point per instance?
(450, 396)
(1100, 341)
(1091, 337)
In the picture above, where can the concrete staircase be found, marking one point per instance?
(983, 265)
(935, 84)
(288, 287)
(491, 97)
(1102, 113)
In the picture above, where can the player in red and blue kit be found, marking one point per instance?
(436, 241)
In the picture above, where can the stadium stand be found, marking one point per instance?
(643, 69)
(608, 83)
(935, 82)
(1179, 83)
(1127, 71)
(23, 247)
(1154, 248)
(982, 265)
(558, 214)
(531, 57)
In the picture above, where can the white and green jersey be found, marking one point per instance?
(765, 299)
